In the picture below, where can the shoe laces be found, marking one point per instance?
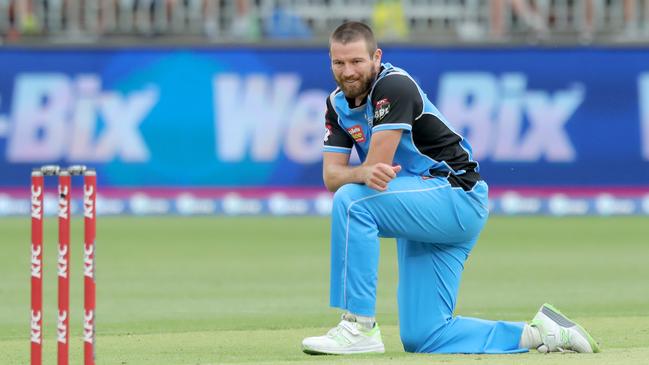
(565, 340)
(560, 341)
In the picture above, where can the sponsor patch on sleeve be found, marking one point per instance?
(357, 133)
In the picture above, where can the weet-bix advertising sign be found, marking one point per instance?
(249, 117)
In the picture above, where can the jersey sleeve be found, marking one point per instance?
(397, 102)
(335, 138)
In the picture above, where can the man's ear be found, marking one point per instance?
(377, 55)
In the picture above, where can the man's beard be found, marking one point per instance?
(357, 89)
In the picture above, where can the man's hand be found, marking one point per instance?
(378, 175)
(377, 170)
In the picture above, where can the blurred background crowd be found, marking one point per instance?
(425, 21)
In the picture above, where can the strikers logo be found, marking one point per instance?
(357, 133)
(327, 132)
(381, 109)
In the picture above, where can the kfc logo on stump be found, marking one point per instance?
(381, 108)
(357, 133)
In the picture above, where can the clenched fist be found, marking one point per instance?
(377, 176)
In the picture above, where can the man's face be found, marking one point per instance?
(353, 67)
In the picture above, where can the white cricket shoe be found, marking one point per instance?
(560, 334)
(346, 338)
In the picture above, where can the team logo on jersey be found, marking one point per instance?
(381, 108)
(370, 121)
(357, 133)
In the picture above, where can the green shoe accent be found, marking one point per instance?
(373, 331)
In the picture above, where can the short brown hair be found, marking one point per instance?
(354, 31)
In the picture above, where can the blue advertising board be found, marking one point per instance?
(252, 117)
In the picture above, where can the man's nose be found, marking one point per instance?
(348, 71)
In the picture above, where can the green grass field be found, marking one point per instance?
(217, 290)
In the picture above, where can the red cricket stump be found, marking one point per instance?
(90, 215)
(63, 268)
(37, 268)
(63, 261)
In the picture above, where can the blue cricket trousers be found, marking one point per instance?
(436, 227)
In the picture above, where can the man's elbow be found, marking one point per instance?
(330, 185)
(332, 188)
